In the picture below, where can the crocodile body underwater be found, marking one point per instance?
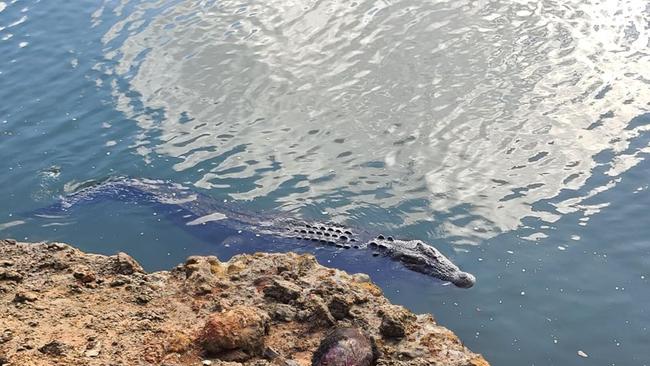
(197, 211)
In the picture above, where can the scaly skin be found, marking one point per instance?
(193, 208)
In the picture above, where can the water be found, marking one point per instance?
(510, 134)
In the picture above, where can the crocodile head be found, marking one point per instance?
(421, 257)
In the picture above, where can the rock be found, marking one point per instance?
(120, 280)
(178, 342)
(345, 347)
(54, 348)
(319, 313)
(340, 307)
(6, 336)
(394, 321)
(282, 312)
(202, 273)
(55, 264)
(92, 353)
(93, 348)
(270, 354)
(282, 291)
(6, 263)
(25, 296)
(57, 246)
(8, 275)
(143, 298)
(10, 241)
(84, 276)
(124, 264)
(361, 278)
(158, 319)
(240, 328)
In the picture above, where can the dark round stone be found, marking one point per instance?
(345, 347)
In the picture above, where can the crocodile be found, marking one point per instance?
(194, 209)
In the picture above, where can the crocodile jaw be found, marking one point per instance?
(421, 257)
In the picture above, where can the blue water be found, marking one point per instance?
(513, 136)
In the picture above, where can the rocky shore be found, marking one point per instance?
(60, 306)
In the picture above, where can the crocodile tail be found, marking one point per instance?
(110, 189)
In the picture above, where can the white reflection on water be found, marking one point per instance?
(479, 108)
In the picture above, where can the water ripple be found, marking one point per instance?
(468, 110)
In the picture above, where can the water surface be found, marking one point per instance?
(510, 134)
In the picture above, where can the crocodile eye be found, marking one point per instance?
(380, 237)
(390, 238)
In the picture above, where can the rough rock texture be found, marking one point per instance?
(60, 306)
(345, 347)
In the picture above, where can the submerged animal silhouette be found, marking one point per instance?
(196, 209)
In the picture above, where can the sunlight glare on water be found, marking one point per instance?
(476, 108)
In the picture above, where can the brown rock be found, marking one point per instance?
(6, 336)
(394, 321)
(6, 263)
(241, 328)
(84, 276)
(57, 246)
(156, 319)
(340, 307)
(282, 291)
(25, 296)
(126, 265)
(8, 275)
(54, 348)
(178, 342)
(319, 313)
